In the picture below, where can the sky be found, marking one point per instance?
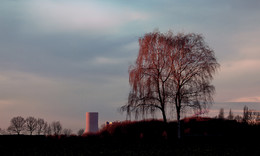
(62, 58)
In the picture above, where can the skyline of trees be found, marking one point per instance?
(18, 125)
(36, 126)
(248, 116)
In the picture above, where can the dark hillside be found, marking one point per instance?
(203, 127)
(201, 136)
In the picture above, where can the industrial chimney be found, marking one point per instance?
(91, 122)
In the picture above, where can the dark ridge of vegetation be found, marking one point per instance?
(201, 136)
(155, 129)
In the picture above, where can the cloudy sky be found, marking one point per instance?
(62, 58)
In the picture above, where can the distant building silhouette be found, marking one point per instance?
(91, 122)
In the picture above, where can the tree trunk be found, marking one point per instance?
(178, 111)
(164, 116)
(178, 123)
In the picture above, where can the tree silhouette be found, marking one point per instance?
(56, 127)
(80, 132)
(171, 71)
(247, 114)
(41, 126)
(221, 113)
(230, 115)
(251, 116)
(31, 124)
(238, 118)
(17, 124)
(67, 131)
(48, 130)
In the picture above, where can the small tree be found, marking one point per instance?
(251, 116)
(258, 118)
(41, 126)
(221, 114)
(67, 132)
(238, 118)
(31, 124)
(80, 132)
(3, 132)
(56, 127)
(48, 130)
(247, 115)
(17, 125)
(230, 115)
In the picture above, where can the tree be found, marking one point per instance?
(31, 124)
(67, 132)
(3, 132)
(250, 116)
(230, 115)
(149, 78)
(17, 124)
(48, 130)
(41, 126)
(56, 127)
(171, 71)
(258, 118)
(81, 132)
(238, 118)
(247, 114)
(221, 114)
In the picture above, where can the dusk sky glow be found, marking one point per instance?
(62, 58)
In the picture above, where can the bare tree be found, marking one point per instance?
(255, 117)
(221, 114)
(80, 132)
(171, 70)
(31, 124)
(56, 127)
(17, 124)
(67, 132)
(48, 130)
(251, 116)
(3, 132)
(230, 115)
(149, 77)
(41, 126)
(238, 118)
(258, 118)
(247, 115)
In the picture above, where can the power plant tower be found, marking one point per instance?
(91, 122)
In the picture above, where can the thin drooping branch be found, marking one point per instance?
(171, 70)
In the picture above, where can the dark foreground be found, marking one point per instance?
(43, 146)
(207, 137)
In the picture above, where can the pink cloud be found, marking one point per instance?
(246, 99)
(69, 15)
